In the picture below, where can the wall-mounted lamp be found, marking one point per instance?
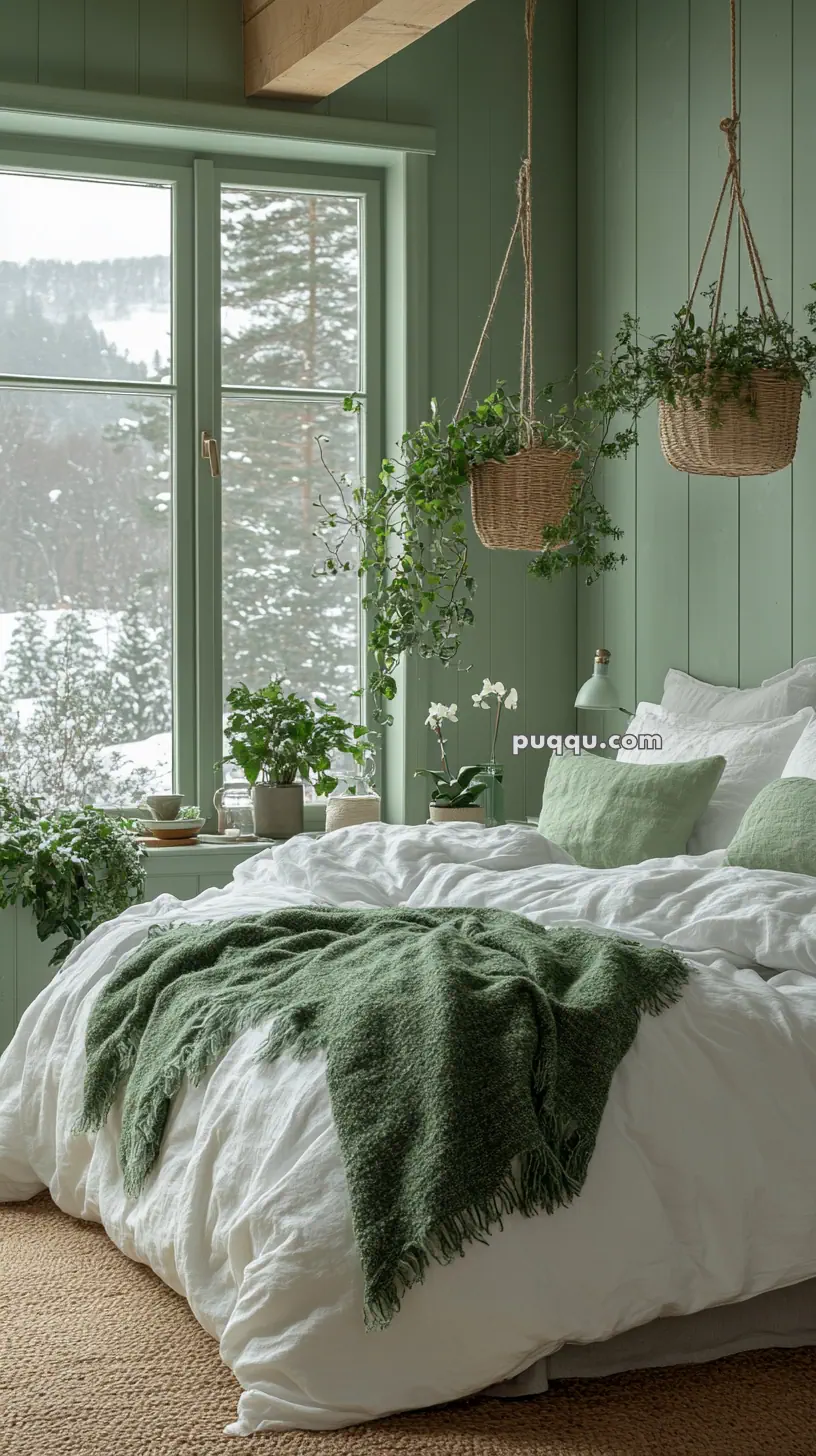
(599, 693)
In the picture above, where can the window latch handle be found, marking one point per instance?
(210, 451)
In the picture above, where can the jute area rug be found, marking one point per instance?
(98, 1358)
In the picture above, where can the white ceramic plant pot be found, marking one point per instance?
(441, 815)
(348, 809)
(277, 810)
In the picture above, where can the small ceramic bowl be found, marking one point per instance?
(172, 829)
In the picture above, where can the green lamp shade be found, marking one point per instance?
(599, 692)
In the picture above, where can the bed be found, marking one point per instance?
(694, 1234)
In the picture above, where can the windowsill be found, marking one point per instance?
(249, 846)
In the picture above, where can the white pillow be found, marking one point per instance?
(802, 762)
(804, 665)
(754, 753)
(778, 698)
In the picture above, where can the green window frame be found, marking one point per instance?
(196, 391)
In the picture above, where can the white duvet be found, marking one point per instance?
(701, 1191)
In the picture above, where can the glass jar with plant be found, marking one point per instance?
(454, 796)
(73, 869)
(276, 738)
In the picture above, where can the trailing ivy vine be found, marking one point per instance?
(405, 532)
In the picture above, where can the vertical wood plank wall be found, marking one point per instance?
(720, 580)
(466, 79)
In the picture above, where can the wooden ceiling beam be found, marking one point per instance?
(305, 49)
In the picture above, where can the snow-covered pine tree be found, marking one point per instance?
(25, 668)
(140, 677)
(67, 743)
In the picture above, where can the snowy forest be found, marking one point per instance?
(86, 493)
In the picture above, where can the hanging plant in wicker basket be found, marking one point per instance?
(729, 394)
(515, 499)
(527, 463)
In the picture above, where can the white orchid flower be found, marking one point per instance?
(511, 701)
(489, 690)
(440, 713)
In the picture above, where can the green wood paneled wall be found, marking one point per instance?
(720, 578)
(466, 79)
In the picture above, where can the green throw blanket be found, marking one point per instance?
(469, 1055)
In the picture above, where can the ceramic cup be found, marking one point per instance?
(164, 806)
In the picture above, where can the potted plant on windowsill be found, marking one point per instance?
(277, 738)
(454, 796)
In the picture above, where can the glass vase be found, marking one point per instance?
(494, 794)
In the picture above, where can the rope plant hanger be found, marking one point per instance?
(749, 425)
(513, 500)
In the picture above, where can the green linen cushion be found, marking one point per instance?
(606, 813)
(778, 830)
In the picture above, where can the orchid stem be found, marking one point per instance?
(438, 732)
(496, 729)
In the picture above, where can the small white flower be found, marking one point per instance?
(511, 701)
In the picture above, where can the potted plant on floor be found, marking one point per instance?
(277, 738)
(454, 796)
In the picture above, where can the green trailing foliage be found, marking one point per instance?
(405, 532)
(276, 737)
(73, 869)
(707, 363)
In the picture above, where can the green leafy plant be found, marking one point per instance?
(709, 362)
(189, 811)
(405, 532)
(451, 791)
(276, 737)
(73, 869)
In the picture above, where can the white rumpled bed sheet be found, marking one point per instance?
(701, 1191)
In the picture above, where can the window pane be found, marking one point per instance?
(290, 277)
(85, 594)
(278, 618)
(84, 277)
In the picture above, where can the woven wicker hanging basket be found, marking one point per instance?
(513, 500)
(755, 432)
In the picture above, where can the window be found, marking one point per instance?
(140, 577)
(290, 351)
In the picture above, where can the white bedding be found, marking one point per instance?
(701, 1191)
